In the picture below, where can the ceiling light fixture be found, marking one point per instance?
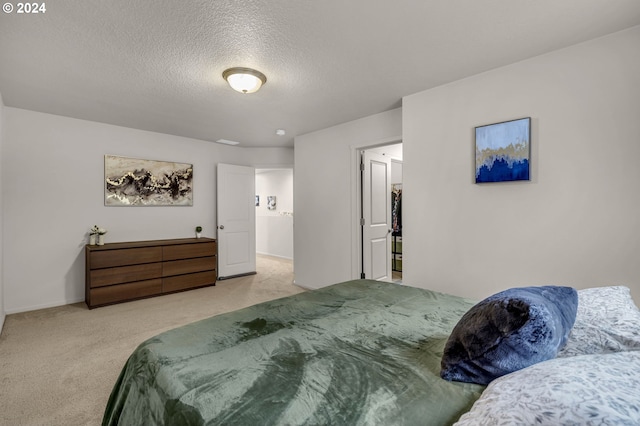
(244, 80)
(227, 142)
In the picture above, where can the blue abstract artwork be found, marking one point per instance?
(503, 151)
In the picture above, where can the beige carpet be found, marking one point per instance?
(58, 365)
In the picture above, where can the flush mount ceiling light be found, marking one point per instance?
(244, 80)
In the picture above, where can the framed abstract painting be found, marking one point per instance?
(135, 182)
(503, 151)
(271, 202)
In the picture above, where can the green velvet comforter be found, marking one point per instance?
(357, 353)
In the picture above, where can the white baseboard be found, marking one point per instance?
(274, 255)
(303, 286)
(43, 306)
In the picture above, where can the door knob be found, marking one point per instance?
(221, 227)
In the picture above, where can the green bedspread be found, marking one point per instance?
(357, 353)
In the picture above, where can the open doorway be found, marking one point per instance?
(274, 212)
(394, 248)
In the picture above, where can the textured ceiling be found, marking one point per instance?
(157, 64)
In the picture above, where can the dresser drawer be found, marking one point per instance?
(122, 257)
(118, 293)
(187, 251)
(187, 266)
(184, 282)
(125, 274)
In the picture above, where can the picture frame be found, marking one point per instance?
(503, 151)
(271, 202)
(137, 182)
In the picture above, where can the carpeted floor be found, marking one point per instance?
(58, 365)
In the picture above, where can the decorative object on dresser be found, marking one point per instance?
(96, 235)
(119, 272)
(198, 231)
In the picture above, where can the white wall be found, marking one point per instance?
(396, 171)
(576, 223)
(274, 228)
(325, 229)
(2, 308)
(52, 176)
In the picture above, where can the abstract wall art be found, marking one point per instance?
(135, 182)
(503, 151)
(271, 202)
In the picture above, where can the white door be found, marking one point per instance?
(236, 221)
(376, 216)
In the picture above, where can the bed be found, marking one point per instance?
(360, 352)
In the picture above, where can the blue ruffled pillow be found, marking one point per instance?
(509, 331)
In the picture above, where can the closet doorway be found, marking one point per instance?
(394, 250)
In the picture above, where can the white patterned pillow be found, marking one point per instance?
(583, 390)
(607, 321)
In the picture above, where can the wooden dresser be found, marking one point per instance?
(119, 272)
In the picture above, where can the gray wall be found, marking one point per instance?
(52, 175)
(325, 203)
(576, 223)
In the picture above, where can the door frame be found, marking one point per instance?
(356, 195)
